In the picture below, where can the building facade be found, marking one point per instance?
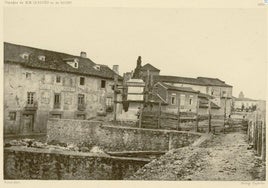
(220, 92)
(41, 84)
(176, 98)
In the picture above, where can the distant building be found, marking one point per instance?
(134, 99)
(245, 104)
(218, 89)
(220, 92)
(148, 68)
(176, 98)
(41, 84)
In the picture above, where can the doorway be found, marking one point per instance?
(27, 123)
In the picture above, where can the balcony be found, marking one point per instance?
(31, 107)
(57, 106)
(109, 109)
(81, 107)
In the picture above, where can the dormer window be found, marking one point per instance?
(25, 56)
(72, 62)
(42, 58)
(97, 67)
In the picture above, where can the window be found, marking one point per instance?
(182, 100)
(173, 99)
(109, 101)
(191, 100)
(75, 65)
(97, 67)
(81, 116)
(58, 79)
(103, 83)
(30, 97)
(224, 93)
(25, 56)
(57, 100)
(28, 75)
(81, 99)
(109, 104)
(57, 116)
(42, 58)
(82, 81)
(81, 102)
(12, 116)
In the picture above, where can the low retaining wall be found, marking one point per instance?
(117, 138)
(33, 163)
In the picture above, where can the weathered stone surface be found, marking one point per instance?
(34, 163)
(117, 138)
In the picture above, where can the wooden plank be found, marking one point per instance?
(115, 95)
(209, 115)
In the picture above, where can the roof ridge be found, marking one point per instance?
(43, 49)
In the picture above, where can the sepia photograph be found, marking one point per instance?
(154, 92)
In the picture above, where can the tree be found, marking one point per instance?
(243, 107)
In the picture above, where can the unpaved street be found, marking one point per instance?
(224, 157)
(229, 159)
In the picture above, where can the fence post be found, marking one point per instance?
(115, 96)
(263, 140)
(255, 136)
(159, 116)
(179, 120)
(196, 120)
(259, 143)
(140, 118)
(209, 115)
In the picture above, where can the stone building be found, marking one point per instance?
(41, 84)
(176, 97)
(220, 92)
(216, 88)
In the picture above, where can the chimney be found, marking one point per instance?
(116, 69)
(83, 54)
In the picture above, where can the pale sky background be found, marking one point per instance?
(229, 44)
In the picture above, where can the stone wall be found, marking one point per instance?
(33, 163)
(117, 138)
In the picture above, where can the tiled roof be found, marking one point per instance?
(177, 79)
(155, 98)
(244, 99)
(150, 67)
(203, 95)
(55, 61)
(213, 81)
(203, 103)
(184, 89)
(194, 81)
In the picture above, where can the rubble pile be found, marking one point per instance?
(222, 157)
(55, 145)
(175, 165)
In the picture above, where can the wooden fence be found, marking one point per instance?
(185, 121)
(257, 133)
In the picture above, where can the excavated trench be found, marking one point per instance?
(109, 158)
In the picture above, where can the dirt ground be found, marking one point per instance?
(224, 157)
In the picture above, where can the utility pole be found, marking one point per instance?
(115, 95)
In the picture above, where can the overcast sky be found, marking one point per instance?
(229, 44)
